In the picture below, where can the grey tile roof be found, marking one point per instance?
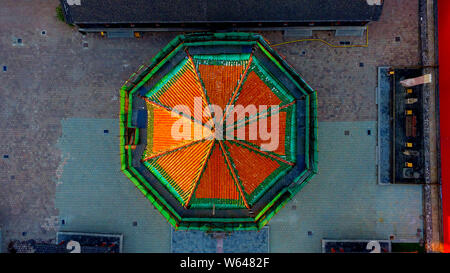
(197, 11)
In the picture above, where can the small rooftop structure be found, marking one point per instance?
(213, 14)
(202, 157)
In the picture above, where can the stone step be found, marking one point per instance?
(298, 33)
(350, 32)
(120, 34)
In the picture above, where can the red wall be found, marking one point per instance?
(444, 102)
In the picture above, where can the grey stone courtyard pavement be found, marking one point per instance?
(52, 83)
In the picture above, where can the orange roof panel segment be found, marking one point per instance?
(184, 88)
(216, 181)
(182, 168)
(160, 135)
(255, 92)
(251, 167)
(257, 95)
(220, 81)
(279, 129)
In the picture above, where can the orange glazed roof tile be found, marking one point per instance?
(209, 170)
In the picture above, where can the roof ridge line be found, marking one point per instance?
(227, 160)
(271, 155)
(236, 91)
(171, 110)
(194, 189)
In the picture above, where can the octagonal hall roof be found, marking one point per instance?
(218, 131)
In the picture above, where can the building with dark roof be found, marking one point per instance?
(144, 15)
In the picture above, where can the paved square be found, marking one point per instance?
(52, 81)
